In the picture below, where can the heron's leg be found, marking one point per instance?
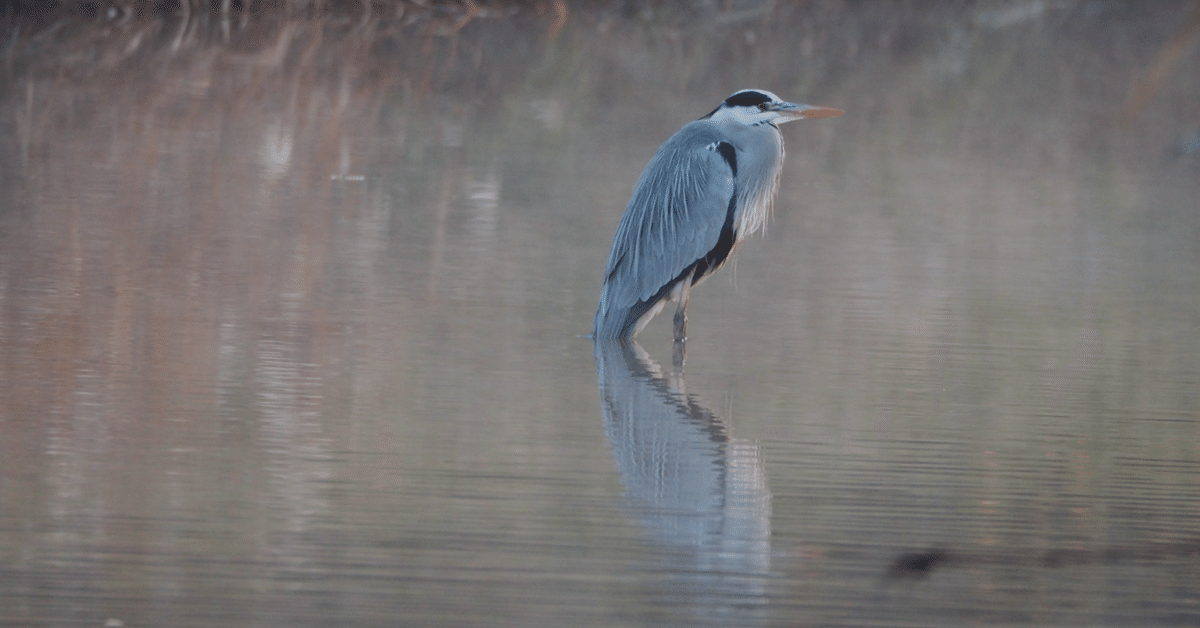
(681, 312)
(681, 324)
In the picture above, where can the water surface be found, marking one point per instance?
(290, 326)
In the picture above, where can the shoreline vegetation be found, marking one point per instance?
(833, 45)
(1034, 83)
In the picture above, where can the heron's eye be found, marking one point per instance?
(762, 106)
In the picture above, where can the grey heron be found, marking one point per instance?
(706, 190)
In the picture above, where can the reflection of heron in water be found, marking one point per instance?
(699, 494)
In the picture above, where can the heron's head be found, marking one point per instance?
(758, 106)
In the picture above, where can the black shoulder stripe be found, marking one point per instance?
(727, 151)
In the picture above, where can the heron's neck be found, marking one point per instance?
(760, 160)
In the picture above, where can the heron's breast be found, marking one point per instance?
(757, 183)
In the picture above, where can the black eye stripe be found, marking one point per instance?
(747, 98)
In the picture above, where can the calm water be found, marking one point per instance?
(290, 326)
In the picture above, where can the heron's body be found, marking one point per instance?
(706, 190)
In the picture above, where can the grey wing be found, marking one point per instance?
(680, 206)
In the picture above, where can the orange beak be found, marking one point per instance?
(795, 112)
(817, 111)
